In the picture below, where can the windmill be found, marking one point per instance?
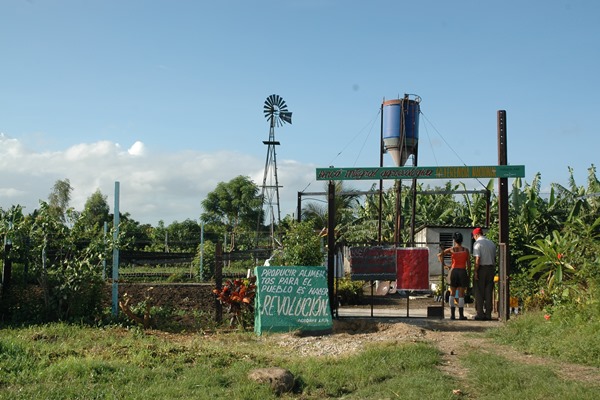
(277, 114)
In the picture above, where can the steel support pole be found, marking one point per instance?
(115, 268)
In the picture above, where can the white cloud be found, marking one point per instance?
(137, 149)
(10, 192)
(153, 185)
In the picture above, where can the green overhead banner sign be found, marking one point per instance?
(292, 298)
(370, 173)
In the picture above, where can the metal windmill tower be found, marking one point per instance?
(277, 114)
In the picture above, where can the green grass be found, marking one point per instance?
(567, 337)
(494, 377)
(383, 371)
(60, 361)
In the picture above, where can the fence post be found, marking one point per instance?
(218, 279)
(503, 284)
(202, 251)
(115, 270)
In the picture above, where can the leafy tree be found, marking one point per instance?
(208, 260)
(233, 207)
(132, 234)
(301, 246)
(158, 237)
(183, 236)
(69, 277)
(59, 199)
(95, 212)
(12, 231)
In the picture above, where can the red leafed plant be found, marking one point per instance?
(238, 298)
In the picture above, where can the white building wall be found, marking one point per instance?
(430, 237)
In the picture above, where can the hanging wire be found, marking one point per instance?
(451, 148)
(367, 137)
(431, 146)
(371, 123)
(402, 147)
(304, 190)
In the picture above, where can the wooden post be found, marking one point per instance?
(504, 265)
(299, 207)
(331, 247)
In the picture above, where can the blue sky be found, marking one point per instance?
(166, 97)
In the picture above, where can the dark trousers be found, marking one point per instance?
(484, 288)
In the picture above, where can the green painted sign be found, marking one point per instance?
(292, 298)
(370, 173)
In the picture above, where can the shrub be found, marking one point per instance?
(349, 291)
(238, 298)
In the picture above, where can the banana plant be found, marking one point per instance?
(579, 201)
(551, 260)
(475, 205)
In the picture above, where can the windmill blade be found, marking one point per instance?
(281, 104)
(269, 108)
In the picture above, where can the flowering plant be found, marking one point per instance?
(238, 297)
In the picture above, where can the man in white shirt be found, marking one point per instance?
(484, 251)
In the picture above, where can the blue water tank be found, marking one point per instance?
(401, 128)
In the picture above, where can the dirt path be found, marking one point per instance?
(452, 338)
(451, 347)
(455, 338)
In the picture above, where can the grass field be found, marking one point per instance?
(60, 361)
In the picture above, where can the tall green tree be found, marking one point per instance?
(183, 236)
(68, 273)
(302, 246)
(59, 198)
(95, 212)
(233, 207)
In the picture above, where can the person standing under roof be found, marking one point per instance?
(459, 274)
(484, 251)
